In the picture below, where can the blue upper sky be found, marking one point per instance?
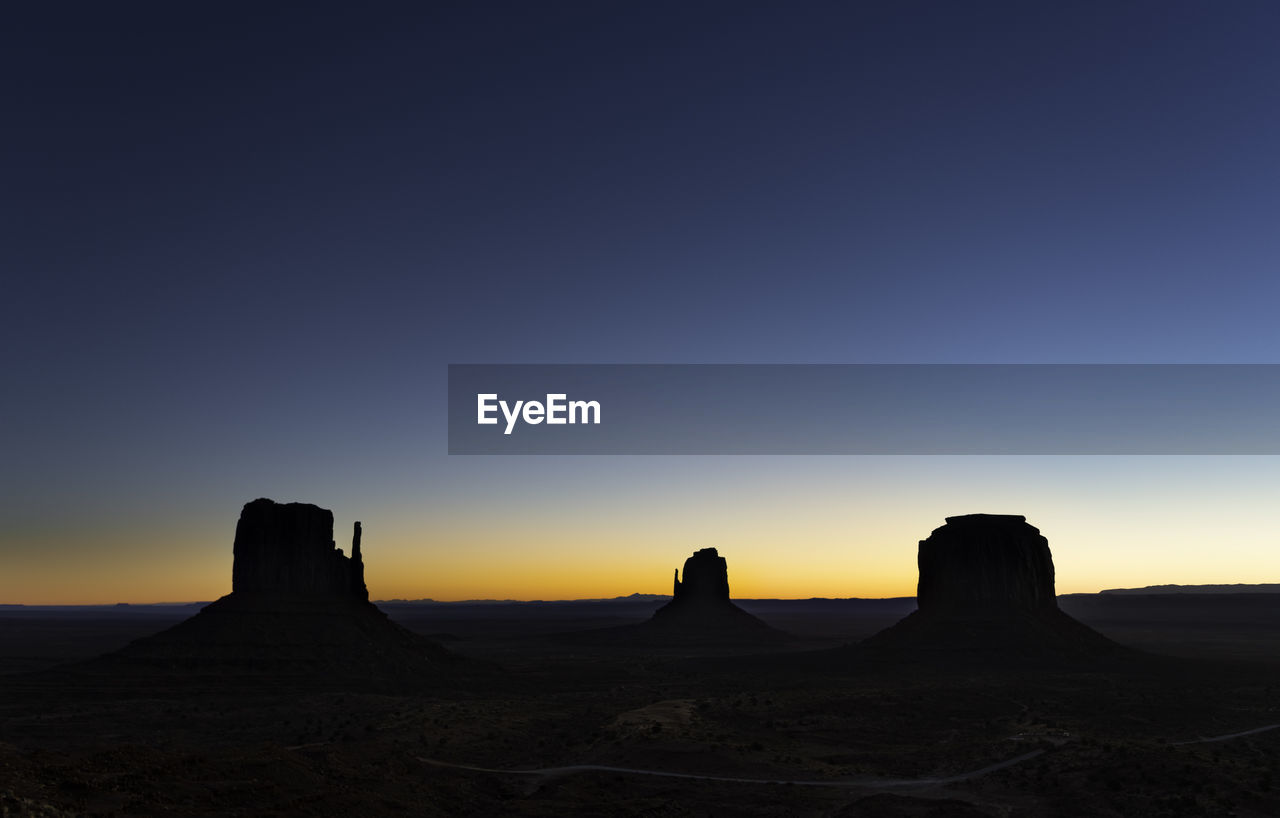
(241, 244)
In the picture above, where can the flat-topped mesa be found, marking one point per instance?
(985, 565)
(986, 595)
(706, 578)
(288, 548)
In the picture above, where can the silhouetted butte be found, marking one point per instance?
(699, 613)
(289, 549)
(298, 611)
(701, 602)
(987, 588)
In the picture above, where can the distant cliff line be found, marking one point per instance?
(1238, 588)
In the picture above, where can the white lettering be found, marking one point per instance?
(557, 410)
(511, 414)
(582, 406)
(483, 408)
(555, 404)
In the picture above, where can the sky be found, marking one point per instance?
(241, 246)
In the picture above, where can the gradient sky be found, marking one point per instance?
(240, 247)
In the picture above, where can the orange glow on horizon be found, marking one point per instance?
(851, 533)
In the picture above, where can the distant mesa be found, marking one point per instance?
(987, 584)
(700, 613)
(298, 611)
(701, 602)
(1159, 590)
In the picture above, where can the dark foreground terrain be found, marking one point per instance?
(548, 726)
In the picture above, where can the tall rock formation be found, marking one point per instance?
(699, 616)
(706, 579)
(987, 589)
(298, 615)
(289, 549)
(356, 576)
(700, 607)
(985, 565)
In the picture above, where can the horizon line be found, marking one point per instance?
(637, 596)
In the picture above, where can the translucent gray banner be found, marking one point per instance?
(958, 409)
